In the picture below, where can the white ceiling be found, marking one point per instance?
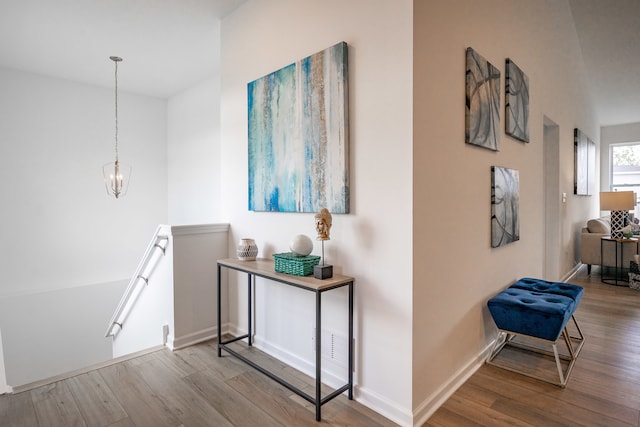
(169, 45)
(609, 35)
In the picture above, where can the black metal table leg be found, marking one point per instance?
(249, 309)
(318, 354)
(350, 361)
(219, 311)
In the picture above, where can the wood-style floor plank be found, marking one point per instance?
(228, 401)
(272, 398)
(95, 400)
(138, 400)
(17, 410)
(181, 399)
(55, 406)
(448, 418)
(490, 416)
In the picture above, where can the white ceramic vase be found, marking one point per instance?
(247, 250)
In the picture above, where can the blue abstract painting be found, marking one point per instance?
(299, 136)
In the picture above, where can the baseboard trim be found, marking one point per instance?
(192, 338)
(436, 399)
(572, 273)
(383, 406)
(67, 375)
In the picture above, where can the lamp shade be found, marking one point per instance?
(617, 200)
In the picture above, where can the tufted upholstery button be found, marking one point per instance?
(557, 288)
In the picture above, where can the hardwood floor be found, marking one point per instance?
(193, 387)
(603, 389)
(189, 387)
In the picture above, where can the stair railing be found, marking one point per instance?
(158, 243)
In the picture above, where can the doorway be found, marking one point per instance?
(552, 199)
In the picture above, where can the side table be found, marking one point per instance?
(619, 259)
(265, 269)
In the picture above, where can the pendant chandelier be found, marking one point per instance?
(117, 175)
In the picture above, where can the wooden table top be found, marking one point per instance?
(266, 268)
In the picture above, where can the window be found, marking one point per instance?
(625, 169)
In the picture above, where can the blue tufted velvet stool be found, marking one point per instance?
(531, 313)
(539, 309)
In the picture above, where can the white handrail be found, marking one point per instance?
(126, 302)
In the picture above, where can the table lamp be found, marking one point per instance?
(619, 203)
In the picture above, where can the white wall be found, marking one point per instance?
(374, 242)
(51, 333)
(194, 154)
(455, 269)
(67, 246)
(61, 229)
(196, 250)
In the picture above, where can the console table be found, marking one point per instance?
(619, 261)
(264, 268)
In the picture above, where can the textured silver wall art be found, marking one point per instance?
(516, 102)
(584, 170)
(505, 206)
(482, 116)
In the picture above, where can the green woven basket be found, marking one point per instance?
(291, 263)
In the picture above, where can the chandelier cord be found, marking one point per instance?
(116, 74)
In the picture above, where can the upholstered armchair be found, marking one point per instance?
(590, 245)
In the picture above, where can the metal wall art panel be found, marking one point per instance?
(482, 114)
(584, 171)
(505, 206)
(299, 136)
(516, 102)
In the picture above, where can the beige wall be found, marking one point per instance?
(455, 269)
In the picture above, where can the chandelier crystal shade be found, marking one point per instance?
(116, 175)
